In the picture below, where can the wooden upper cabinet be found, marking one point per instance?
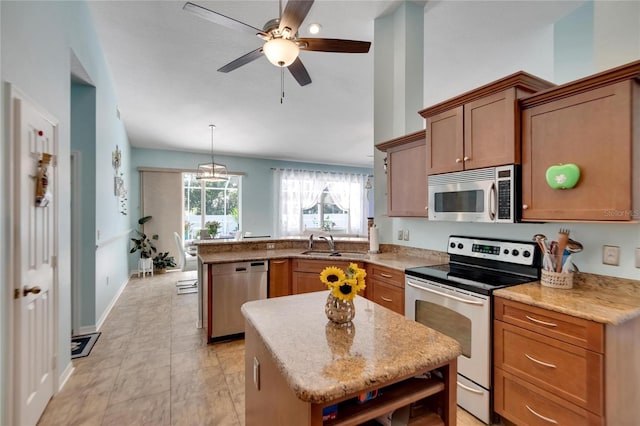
(479, 128)
(589, 123)
(406, 175)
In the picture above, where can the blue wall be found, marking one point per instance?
(257, 189)
(37, 40)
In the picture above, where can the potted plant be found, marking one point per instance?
(212, 227)
(144, 245)
(162, 261)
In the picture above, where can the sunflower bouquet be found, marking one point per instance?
(344, 285)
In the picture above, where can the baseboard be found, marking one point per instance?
(66, 374)
(106, 312)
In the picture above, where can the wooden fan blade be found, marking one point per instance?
(294, 13)
(299, 72)
(242, 60)
(221, 19)
(333, 45)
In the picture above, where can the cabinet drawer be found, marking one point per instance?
(524, 404)
(303, 282)
(573, 373)
(388, 275)
(577, 331)
(388, 296)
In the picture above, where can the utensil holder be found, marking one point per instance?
(556, 279)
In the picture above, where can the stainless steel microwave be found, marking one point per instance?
(481, 195)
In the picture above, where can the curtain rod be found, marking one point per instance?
(318, 171)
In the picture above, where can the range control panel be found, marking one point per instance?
(519, 252)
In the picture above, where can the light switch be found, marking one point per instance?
(400, 234)
(406, 235)
(638, 257)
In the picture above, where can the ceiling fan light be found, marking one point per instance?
(281, 52)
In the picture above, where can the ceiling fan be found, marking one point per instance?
(282, 43)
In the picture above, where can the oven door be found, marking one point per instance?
(468, 196)
(460, 314)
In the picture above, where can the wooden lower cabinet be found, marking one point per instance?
(279, 277)
(305, 276)
(386, 287)
(549, 367)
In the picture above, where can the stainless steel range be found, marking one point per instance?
(456, 299)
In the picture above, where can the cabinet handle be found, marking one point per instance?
(525, 206)
(466, 159)
(546, 364)
(278, 261)
(458, 160)
(382, 274)
(547, 419)
(385, 299)
(550, 324)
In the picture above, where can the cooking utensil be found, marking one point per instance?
(563, 239)
(574, 246)
(541, 239)
(566, 267)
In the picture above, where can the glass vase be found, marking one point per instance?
(339, 311)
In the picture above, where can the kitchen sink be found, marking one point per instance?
(325, 253)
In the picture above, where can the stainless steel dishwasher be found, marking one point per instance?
(232, 284)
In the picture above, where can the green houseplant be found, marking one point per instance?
(144, 245)
(212, 227)
(162, 261)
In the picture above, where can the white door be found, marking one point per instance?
(35, 262)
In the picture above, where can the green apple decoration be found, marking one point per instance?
(563, 176)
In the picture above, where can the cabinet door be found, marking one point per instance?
(306, 282)
(407, 180)
(445, 141)
(279, 278)
(490, 131)
(592, 130)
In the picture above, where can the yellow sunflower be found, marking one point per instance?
(346, 290)
(332, 276)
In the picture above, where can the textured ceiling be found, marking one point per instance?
(163, 62)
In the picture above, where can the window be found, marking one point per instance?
(319, 201)
(206, 201)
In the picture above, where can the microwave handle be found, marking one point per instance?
(493, 200)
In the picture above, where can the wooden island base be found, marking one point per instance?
(270, 400)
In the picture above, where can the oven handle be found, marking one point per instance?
(459, 299)
(467, 388)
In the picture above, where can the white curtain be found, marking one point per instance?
(297, 190)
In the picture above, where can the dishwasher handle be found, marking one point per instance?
(241, 269)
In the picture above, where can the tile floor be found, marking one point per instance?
(151, 366)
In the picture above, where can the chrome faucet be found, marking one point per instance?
(310, 247)
(332, 244)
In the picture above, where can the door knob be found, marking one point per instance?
(34, 290)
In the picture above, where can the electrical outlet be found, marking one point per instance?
(406, 235)
(611, 255)
(271, 246)
(638, 257)
(400, 234)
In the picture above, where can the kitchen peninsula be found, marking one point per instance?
(298, 363)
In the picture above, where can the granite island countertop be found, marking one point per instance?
(322, 361)
(599, 298)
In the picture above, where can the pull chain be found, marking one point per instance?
(281, 84)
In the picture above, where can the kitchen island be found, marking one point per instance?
(297, 363)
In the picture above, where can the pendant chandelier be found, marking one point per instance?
(212, 172)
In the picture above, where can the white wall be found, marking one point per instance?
(471, 43)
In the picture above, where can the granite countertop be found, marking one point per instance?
(607, 300)
(393, 260)
(322, 361)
